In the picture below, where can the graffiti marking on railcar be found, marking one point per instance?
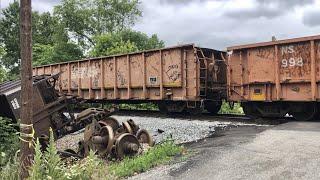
(64, 83)
(265, 54)
(121, 78)
(135, 64)
(155, 68)
(84, 72)
(110, 65)
(96, 75)
(173, 72)
(74, 84)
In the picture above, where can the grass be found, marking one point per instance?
(142, 106)
(48, 165)
(159, 154)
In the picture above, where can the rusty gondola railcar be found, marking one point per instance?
(177, 78)
(274, 78)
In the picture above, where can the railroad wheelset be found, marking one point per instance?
(191, 107)
(109, 138)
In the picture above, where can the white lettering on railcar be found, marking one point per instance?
(287, 49)
(15, 103)
(292, 62)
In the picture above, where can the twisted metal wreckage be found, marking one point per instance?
(103, 134)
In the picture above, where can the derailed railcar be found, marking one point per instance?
(274, 78)
(178, 78)
(48, 105)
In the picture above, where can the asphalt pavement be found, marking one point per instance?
(287, 151)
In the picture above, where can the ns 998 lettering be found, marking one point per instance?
(292, 62)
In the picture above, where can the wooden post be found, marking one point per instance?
(26, 87)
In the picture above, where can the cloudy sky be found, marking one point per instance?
(221, 23)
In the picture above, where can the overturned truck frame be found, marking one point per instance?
(51, 110)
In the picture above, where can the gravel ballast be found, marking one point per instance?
(180, 130)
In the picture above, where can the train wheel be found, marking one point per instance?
(126, 145)
(111, 122)
(172, 107)
(250, 111)
(163, 107)
(107, 131)
(213, 106)
(305, 112)
(144, 137)
(194, 111)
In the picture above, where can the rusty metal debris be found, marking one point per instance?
(108, 138)
(103, 134)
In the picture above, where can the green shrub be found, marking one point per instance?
(142, 106)
(226, 109)
(48, 165)
(89, 168)
(159, 154)
(9, 141)
(10, 171)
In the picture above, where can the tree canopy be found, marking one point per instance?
(124, 42)
(75, 29)
(87, 18)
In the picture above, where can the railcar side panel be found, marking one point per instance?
(179, 73)
(285, 70)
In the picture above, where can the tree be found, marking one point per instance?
(61, 50)
(44, 28)
(50, 39)
(88, 18)
(108, 44)
(100, 27)
(9, 36)
(142, 40)
(125, 41)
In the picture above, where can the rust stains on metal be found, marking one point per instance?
(180, 73)
(108, 138)
(285, 70)
(276, 42)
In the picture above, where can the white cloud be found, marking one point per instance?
(221, 23)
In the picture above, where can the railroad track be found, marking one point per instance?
(205, 116)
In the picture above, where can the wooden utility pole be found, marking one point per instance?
(26, 115)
